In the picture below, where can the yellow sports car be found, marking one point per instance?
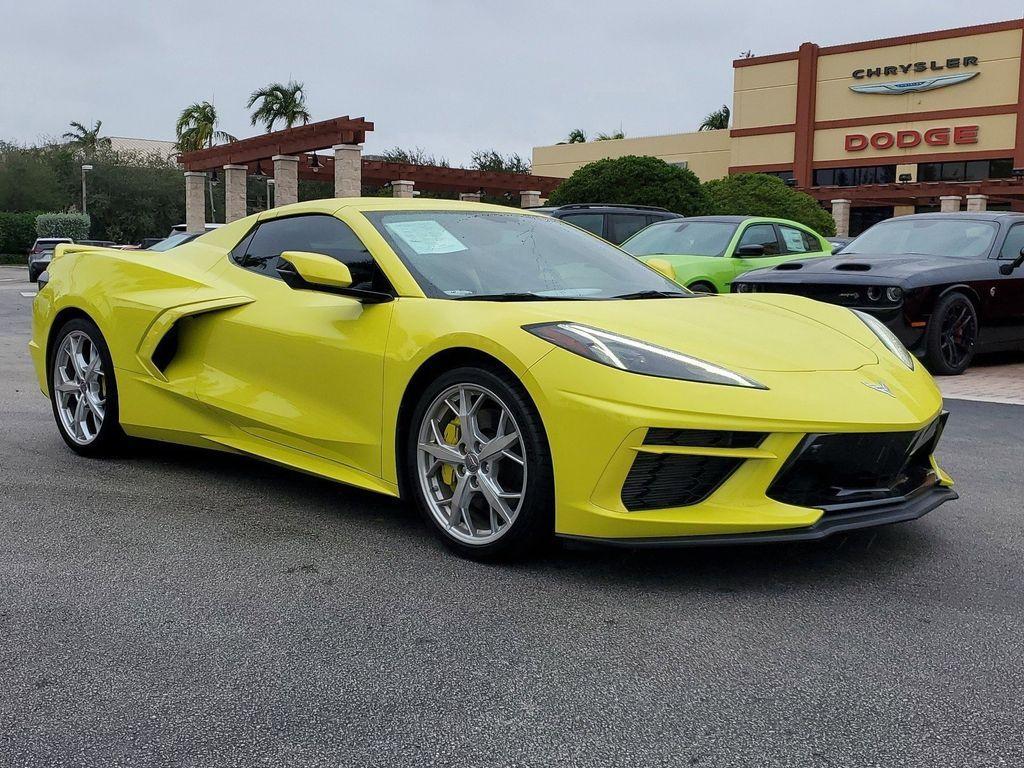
(513, 375)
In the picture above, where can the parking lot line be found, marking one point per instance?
(28, 294)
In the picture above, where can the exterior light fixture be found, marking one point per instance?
(1017, 172)
(905, 177)
(314, 162)
(214, 178)
(790, 182)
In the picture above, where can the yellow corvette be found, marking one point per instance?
(514, 375)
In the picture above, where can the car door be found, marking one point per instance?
(300, 368)
(1006, 292)
(759, 233)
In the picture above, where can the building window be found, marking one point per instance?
(784, 175)
(972, 170)
(854, 177)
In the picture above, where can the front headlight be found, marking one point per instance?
(887, 337)
(636, 356)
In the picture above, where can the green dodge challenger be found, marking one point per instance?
(706, 253)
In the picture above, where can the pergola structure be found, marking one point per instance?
(949, 196)
(290, 154)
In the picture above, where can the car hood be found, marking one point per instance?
(752, 333)
(853, 268)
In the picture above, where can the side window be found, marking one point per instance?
(592, 222)
(794, 241)
(761, 234)
(813, 244)
(318, 233)
(1013, 243)
(621, 226)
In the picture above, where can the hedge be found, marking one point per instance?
(17, 231)
(73, 225)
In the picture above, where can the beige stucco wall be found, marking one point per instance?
(996, 83)
(705, 152)
(767, 149)
(764, 94)
(994, 132)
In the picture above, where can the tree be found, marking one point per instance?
(286, 103)
(415, 156)
(633, 180)
(717, 120)
(758, 194)
(610, 136)
(492, 160)
(87, 140)
(576, 136)
(197, 128)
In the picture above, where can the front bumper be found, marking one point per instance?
(904, 510)
(599, 421)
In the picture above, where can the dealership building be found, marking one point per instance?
(926, 122)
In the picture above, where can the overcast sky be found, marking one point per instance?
(450, 76)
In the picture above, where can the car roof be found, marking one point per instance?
(611, 206)
(965, 216)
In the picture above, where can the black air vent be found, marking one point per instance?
(790, 265)
(664, 480)
(166, 349)
(703, 438)
(853, 267)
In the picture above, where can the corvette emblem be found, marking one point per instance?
(880, 387)
(914, 86)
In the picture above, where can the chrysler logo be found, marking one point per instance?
(880, 387)
(914, 86)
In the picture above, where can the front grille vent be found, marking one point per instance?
(703, 438)
(663, 480)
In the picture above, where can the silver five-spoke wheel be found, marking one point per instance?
(471, 463)
(80, 388)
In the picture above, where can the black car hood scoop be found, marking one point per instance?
(853, 266)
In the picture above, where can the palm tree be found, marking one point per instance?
(610, 136)
(576, 136)
(88, 140)
(197, 128)
(279, 102)
(717, 120)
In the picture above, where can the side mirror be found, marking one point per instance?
(304, 270)
(1007, 269)
(662, 266)
(751, 249)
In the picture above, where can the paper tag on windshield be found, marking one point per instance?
(425, 237)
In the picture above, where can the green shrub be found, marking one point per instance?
(73, 225)
(633, 180)
(758, 194)
(17, 231)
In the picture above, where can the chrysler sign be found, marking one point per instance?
(929, 83)
(933, 137)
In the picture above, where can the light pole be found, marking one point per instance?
(85, 169)
(270, 189)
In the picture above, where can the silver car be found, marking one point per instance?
(40, 254)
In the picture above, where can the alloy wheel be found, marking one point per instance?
(959, 331)
(471, 464)
(80, 388)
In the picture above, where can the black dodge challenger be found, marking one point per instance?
(947, 284)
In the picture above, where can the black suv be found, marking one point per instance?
(615, 223)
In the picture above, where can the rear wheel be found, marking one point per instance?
(83, 391)
(703, 287)
(479, 465)
(33, 274)
(951, 336)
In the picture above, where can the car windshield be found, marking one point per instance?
(964, 238)
(690, 238)
(170, 242)
(467, 254)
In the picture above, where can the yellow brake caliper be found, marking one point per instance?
(452, 433)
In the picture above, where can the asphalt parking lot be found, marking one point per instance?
(176, 607)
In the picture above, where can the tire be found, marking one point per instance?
(441, 460)
(87, 411)
(951, 336)
(33, 274)
(702, 287)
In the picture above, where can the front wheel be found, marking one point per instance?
(702, 287)
(951, 336)
(83, 391)
(479, 465)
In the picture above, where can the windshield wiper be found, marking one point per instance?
(516, 296)
(651, 295)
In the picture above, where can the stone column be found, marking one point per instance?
(841, 213)
(234, 192)
(977, 203)
(949, 203)
(402, 188)
(469, 197)
(348, 170)
(195, 201)
(530, 199)
(286, 179)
